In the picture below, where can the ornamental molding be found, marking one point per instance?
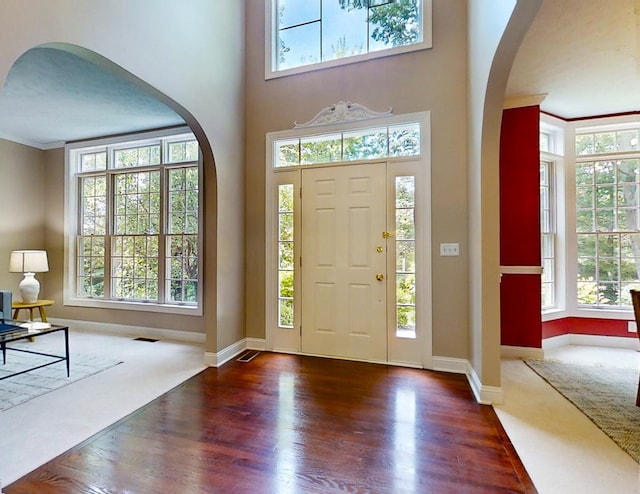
(342, 112)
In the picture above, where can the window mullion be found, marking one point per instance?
(162, 235)
(108, 232)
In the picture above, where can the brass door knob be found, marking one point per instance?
(379, 277)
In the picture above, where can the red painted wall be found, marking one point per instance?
(588, 326)
(520, 187)
(520, 305)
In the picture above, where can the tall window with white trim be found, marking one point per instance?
(547, 235)
(607, 215)
(137, 236)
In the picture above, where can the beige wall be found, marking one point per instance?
(494, 37)
(197, 67)
(22, 203)
(432, 80)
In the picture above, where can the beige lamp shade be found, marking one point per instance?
(28, 261)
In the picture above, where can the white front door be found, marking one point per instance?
(344, 262)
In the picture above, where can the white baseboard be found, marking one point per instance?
(449, 364)
(133, 331)
(485, 395)
(256, 344)
(507, 351)
(223, 356)
(590, 340)
(556, 342)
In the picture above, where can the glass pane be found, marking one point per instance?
(608, 270)
(544, 141)
(584, 197)
(285, 255)
(344, 31)
(630, 245)
(183, 151)
(605, 220)
(627, 140)
(365, 144)
(605, 142)
(287, 153)
(285, 313)
(584, 221)
(584, 173)
(587, 293)
(628, 170)
(587, 268)
(405, 224)
(322, 149)
(605, 196)
(406, 318)
(298, 46)
(394, 24)
(609, 294)
(605, 172)
(405, 257)
(285, 228)
(404, 140)
(405, 192)
(294, 12)
(584, 144)
(608, 245)
(285, 284)
(406, 289)
(587, 245)
(285, 198)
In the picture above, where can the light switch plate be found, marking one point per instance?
(632, 327)
(448, 250)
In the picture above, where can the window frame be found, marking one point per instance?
(271, 37)
(72, 211)
(571, 128)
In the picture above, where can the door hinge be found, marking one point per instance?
(300, 261)
(301, 330)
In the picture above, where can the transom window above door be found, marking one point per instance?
(305, 35)
(390, 141)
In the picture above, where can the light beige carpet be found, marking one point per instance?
(606, 395)
(24, 387)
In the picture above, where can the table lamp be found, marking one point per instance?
(29, 262)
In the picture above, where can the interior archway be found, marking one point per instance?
(115, 101)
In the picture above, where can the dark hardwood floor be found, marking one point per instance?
(288, 424)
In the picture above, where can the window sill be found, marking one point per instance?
(622, 314)
(134, 306)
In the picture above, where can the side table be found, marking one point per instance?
(38, 304)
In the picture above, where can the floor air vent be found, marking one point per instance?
(148, 340)
(248, 356)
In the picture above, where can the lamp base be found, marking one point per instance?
(29, 288)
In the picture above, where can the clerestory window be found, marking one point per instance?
(135, 210)
(306, 35)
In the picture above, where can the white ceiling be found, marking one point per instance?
(51, 96)
(585, 55)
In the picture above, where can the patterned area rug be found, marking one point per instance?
(606, 395)
(19, 389)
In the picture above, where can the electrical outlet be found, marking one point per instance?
(447, 250)
(632, 327)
